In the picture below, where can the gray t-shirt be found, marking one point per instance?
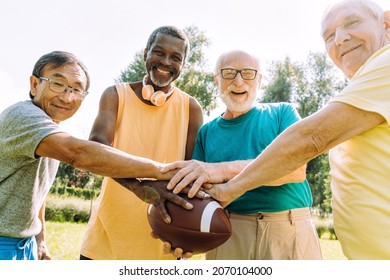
(25, 179)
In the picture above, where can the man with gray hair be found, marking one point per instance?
(31, 145)
(150, 118)
(353, 127)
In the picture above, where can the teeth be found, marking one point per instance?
(162, 71)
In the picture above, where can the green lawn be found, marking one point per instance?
(64, 241)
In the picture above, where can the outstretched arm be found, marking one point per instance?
(297, 145)
(198, 173)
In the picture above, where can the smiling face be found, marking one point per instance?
(238, 94)
(164, 60)
(58, 106)
(352, 34)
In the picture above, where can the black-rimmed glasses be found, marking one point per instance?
(246, 74)
(61, 87)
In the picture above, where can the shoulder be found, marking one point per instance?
(194, 104)
(20, 110)
(110, 91)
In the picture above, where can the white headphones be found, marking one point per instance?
(157, 98)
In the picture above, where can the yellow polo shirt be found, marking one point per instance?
(360, 167)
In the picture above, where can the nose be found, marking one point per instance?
(341, 35)
(238, 80)
(165, 60)
(68, 95)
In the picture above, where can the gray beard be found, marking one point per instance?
(159, 83)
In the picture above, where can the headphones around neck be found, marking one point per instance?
(157, 98)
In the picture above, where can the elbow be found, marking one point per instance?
(316, 145)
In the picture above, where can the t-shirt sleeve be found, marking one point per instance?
(289, 116)
(25, 127)
(199, 153)
(369, 89)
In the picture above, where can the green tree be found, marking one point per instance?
(195, 79)
(280, 86)
(309, 85)
(68, 176)
(135, 71)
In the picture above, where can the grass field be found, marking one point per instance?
(64, 241)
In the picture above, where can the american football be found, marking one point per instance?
(201, 229)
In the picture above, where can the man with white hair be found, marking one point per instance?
(272, 221)
(354, 126)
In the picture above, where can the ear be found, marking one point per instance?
(387, 25)
(145, 54)
(33, 85)
(216, 79)
(260, 78)
(387, 19)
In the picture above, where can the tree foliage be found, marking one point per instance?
(309, 85)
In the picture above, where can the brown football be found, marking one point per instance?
(201, 229)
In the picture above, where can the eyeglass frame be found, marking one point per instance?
(238, 71)
(84, 93)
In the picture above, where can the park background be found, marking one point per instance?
(108, 36)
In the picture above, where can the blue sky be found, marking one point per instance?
(107, 34)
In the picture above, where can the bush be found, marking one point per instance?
(61, 209)
(86, 194)
(325, 229)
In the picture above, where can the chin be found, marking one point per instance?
(161, 82)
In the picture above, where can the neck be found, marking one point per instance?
(232, 115)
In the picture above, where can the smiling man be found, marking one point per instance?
(31, 145)
(149, 118)
(270, 222)
(354, 126)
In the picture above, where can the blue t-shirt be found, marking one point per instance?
(245, 138)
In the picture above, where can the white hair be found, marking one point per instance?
(376, 11)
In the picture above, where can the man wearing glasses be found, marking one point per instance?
(268, 222)
(32, 143)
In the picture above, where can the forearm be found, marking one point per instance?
(227, 170)
(98, 158)
(106, 161)
(41, 215)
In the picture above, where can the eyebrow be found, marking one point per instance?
(59, 75)
(158, 47)
(344, 20)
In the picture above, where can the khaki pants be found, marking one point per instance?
(286, 235)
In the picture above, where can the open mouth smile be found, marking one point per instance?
(239, 92)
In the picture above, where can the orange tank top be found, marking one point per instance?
(118, 227)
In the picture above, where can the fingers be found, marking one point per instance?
(178, 200)
(154, 235)
(167, 248)
(177, 252)
(163, 211)
(199, 194)
(180, 180)
(172, 166)
(43, 253)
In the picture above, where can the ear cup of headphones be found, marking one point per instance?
(147, 92)
(158, 98)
